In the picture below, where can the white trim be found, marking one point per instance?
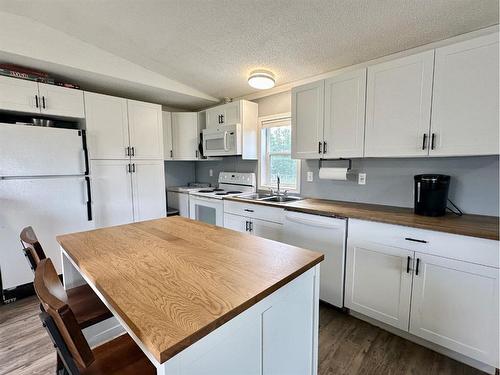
(265, 122)
(426, 47)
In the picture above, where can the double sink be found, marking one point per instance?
(265, 197)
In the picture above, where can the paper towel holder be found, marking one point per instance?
(339, 159)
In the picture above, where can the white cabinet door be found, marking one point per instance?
(179, 201)
(465, 98)
(231, 113)
(112, 192)
(398, 106)
(235, 222)
(145, 129)
(307, 120)
(107, 126)
(213, 117)
(19, 95)
(168, 151)
(377, 282)
(148, 186)
(344, 131)
(455, 304)
(267, 229)
(185, 135)
(61, 101)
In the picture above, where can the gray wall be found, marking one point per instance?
(474, 180)
(179, 173)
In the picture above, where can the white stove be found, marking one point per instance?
(230, 184)
(206, 204)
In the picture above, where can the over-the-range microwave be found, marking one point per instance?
(225, 140)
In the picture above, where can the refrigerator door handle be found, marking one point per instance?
(83, 134)
(89, 199)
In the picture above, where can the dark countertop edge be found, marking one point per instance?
(370, 206)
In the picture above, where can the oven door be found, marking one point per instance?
(208, 210)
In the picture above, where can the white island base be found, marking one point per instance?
(276, 336)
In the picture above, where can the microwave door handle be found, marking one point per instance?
(225, 141)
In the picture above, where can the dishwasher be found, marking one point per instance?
(328, 236)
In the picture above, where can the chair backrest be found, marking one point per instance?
(31, 247)
(53, 298)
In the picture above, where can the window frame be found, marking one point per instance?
(265, 122)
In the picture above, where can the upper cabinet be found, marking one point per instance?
(185, 135)
(107, 126)
(328, 117)
(118, 128)
(344, 128)
(224, 114)
(465, 102)
(32, 97)
(398, 106)
(145, 129)
(307, 120)
(168, 149)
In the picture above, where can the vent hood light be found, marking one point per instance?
(261, 79)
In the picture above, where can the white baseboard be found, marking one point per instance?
(102, 332)
(430, 345)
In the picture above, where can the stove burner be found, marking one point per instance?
(218, 189)
(234, 192)
(223, 193)
(206, 191)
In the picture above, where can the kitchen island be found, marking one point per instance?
(201, 299)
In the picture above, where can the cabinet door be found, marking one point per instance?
(344, 131)
(148, 185)
(18, 95)
(465, 98)
(213, 117)
(168, 151)
(455, 304)
(377, 282)
(267, 229)
(61, 101)
(185, 137)
(398, 106)
(235, 222)
(231, 113)
(107, 126)
(146, 131)
(112, 192)
(307, 120)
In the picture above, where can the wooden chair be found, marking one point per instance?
(119, 356)
(86, 305)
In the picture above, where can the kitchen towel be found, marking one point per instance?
(333, 174)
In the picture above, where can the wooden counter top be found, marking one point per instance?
(175, 280)
(466, 225)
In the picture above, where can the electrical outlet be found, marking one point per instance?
(362, 179)
(211, 172)
(310, 177)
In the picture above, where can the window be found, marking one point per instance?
(275, 155)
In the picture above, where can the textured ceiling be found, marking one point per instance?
(213, 45)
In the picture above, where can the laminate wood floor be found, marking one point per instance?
(346, 346)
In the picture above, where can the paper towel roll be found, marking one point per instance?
(333, 174)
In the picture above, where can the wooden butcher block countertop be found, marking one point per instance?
(175, 280)
(466, 225)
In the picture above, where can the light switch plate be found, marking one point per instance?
(310, 177)
(362, 179)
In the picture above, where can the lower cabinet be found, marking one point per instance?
(257, 227)
(378, 283)
(124, 192)
(455, 304)
(396, 275)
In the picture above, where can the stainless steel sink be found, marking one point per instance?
(280, 199)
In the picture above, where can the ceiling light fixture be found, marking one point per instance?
(261, 79)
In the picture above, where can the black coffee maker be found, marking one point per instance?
(431, 194)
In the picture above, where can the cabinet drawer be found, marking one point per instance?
(256, 211)
(453, 246)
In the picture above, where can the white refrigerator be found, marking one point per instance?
(45, 183)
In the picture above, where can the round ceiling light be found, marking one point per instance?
(261, 79)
